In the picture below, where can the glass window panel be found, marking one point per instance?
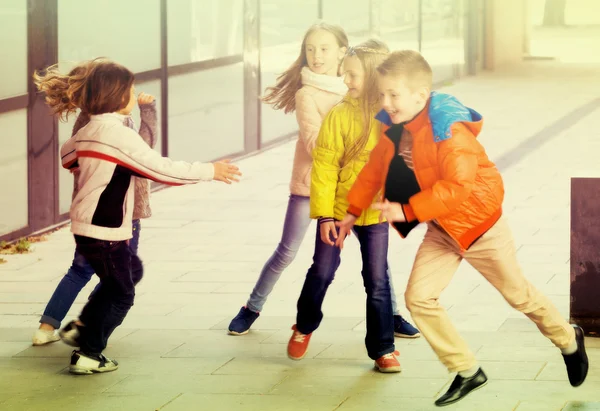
(284, 22)
(204, 29)
(127, 32)
(354, 20)
(399, 24)
(443, 42)
(282, 26)
(13, 36)
(13, 171)
(206, 113)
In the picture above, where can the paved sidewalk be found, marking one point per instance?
(205, 245)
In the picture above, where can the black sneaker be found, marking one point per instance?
(70, 334)
(404, 329)
(577, 363)
(85, 364)
(242, 322)
(460, 387)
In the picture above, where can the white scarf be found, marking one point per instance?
(332, 84)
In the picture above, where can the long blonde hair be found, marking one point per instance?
(282, 95)
(371, 54)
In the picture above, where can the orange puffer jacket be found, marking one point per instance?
(461, 189)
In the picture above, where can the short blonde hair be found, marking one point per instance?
(409, 64)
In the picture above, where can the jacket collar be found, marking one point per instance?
(413, 125)
(109, 117)
(420, 121)
(441, 112)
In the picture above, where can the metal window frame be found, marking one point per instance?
(42, 128)
(14, 103)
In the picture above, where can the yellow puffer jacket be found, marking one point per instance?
(330, 182)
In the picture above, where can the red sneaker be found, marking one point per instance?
(388, 363)
(298, 344)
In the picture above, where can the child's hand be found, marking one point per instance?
(144, 98)
(327, 229)
(391, 211)
(345, 227)
(226, 172)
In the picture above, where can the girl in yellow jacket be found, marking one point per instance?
(347, 136)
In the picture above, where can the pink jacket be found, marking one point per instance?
(319, 93)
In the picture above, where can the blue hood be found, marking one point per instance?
(444, 110)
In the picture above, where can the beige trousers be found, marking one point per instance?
(494, 256)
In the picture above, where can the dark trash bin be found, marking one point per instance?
(585, 254)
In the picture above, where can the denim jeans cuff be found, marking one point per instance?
(51, 321)
(304, 330)
(253, 308)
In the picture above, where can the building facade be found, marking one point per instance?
(206, 61)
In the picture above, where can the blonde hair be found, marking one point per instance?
(371, 54)
(283, 94)
(95, 87)
(409, 64)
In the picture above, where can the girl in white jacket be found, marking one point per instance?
(108, 155)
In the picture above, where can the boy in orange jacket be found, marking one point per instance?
(433, 170)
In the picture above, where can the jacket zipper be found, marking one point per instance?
(438, 222)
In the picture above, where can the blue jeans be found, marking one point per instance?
(297, 220)
(73, 282)
(373, 241)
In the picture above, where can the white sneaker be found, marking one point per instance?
(43, 337)
(82, 364)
